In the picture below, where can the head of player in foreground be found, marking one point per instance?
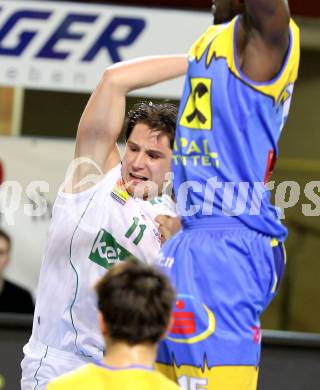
(135, 303)
(225, 10)
(149, 131)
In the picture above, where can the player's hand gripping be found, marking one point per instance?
(168, 226)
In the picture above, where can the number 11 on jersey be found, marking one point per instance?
(141, 229)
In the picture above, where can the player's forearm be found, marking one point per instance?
(102, 119)
(143, 72)
(270, 17)
(104, 114)
(106, 108)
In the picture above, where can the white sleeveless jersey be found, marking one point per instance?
(90, 232)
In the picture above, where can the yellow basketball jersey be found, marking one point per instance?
(96, 377)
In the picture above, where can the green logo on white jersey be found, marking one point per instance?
(106, 251)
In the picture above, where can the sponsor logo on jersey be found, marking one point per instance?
(156, 200)
(163, 261)
(193, 321)
(119, 193)
(256, 334)
(106, 251)
(194, 152)
(157, 235)
(197, 112)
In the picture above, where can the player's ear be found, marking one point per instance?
(102, 325)
(170, 324)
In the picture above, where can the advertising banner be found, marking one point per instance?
(66, 46)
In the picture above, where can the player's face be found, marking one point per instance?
(4, 254)
(225, 10)
(147, 159)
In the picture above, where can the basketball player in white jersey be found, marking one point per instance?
(101, 215)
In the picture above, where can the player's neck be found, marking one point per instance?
(120, 354)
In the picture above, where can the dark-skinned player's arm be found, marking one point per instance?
(263, 38)
(271, 19)
(102, 120)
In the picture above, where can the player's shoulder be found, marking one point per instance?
(112, 176)
(216, 35)
(75, 380)
(92, 182)
(295, 39)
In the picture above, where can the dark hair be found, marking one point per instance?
(4, 235)
(135, 301)
(159, 117)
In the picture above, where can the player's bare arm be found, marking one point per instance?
(263, 38)
(102, 120)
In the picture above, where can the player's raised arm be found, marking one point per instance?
(263, 38)
(102, 120)
(271, 19)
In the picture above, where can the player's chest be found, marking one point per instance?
(111, 231)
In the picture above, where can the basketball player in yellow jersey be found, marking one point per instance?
(135, 304)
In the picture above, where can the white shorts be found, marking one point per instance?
(42, 363)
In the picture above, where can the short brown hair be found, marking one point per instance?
(159, 117)
(135, 301)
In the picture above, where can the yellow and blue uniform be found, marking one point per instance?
(100, 377)
(228, 260)
(228, 129)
